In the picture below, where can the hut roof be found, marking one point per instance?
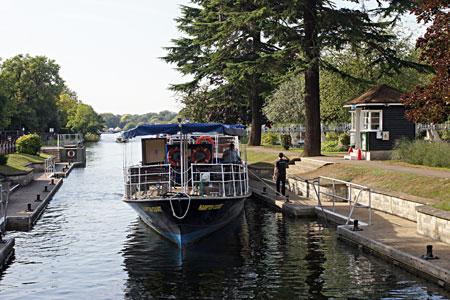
(381, 94)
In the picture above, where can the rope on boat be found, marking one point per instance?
(276, 192)
(187, 209)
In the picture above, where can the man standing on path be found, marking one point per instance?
(279, 173)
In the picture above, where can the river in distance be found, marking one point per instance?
(88, 244)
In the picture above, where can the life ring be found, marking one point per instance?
(204, 157)
(71, 154)
(174, 157)
(203, 137)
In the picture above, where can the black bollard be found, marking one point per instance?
(29, 207)
(287, 198)
(52, 182)
(429, 254)
(355, 226)
(264, 190)
(38, 198)
(45, 189)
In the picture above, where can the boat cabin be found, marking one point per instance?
(378, 119)
(191, 163)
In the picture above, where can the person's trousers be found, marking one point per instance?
(282, 180)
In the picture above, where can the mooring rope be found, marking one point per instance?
(187, 209)
(260, 179)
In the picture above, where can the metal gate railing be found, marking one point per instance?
(50, 166)
(353, 203)
(4, 198)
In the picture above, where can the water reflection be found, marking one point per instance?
(90, 245)
(264, 255)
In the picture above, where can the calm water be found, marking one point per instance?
(90, 245)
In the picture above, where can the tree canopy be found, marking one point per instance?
(32, 86)
(431, 102)
(244, 49)
(33, 96)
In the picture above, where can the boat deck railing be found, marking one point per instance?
(143, 182)
(219, 179)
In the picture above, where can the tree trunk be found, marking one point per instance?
(257, 119)
(312, 89)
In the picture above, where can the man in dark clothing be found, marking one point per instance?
(280, 172)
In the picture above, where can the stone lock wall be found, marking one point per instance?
(433, 223)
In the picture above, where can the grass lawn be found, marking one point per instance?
(17, 160)
(434, 188)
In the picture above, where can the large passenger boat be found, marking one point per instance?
(187, 186)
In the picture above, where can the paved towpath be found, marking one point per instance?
(339, 158)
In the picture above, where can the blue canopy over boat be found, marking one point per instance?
(236, 130)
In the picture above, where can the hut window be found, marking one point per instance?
(371, 120)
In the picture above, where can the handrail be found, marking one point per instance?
(50, 166)
(4, 199)
(349, 199)
(227, 179)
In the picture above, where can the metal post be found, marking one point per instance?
(234, 183)
(334, 193)
(370, 208)
(223, 181)
(139, 183)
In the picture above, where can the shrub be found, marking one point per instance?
(418, 152)
(91, 137)
(29, 144)
(332, 146)
(344, 140)
(3, 159)
(331, 136)
(286, 141)
(445, 134)
(269, 138)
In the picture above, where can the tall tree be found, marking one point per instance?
(4, 117)
(225, 47)
(431, 102)
(66, 103)
(335, 89)
(32, 86)
(83, 119)
(111, 120)
(312, 28)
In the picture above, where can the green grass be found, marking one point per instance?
(17, 160)
(259, 157)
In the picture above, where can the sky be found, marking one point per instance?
(108, 50)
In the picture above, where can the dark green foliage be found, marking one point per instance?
(91, 137)
(32, 86)
(419, 152)
(29, 144)
(286, 141)
(3, 159)
(332, 146)
(331, 136)
(344, 140)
